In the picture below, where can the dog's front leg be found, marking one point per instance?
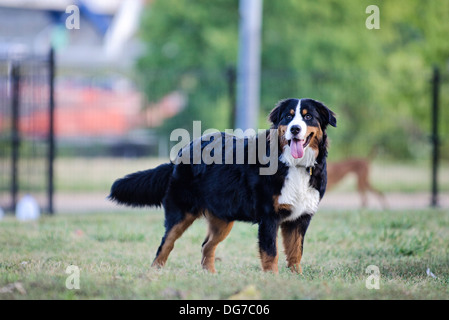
(268, 245)
(293, 233)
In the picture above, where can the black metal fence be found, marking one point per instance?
(26, 127)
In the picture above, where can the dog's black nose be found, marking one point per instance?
(295, 129)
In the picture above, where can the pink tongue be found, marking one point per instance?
(296, 148)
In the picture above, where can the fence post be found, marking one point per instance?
(248, 68)
(15, 135)
(231, 77)
(51, 132)
(435, 137)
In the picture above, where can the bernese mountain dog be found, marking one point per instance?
(224, 193)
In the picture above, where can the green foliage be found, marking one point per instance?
(378, 81)
(189, 46)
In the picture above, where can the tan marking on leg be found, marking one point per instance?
(174, 234)
(217, 232)
(269, 263)
(293, 240)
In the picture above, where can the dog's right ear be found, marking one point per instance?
(275, 114)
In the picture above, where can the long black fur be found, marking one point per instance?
(142, 188)
(228, 191)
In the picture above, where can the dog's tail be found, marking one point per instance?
(142, 188)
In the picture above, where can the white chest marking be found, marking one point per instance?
(296, 192)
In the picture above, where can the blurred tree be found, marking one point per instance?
(376, 80)
(189, 45)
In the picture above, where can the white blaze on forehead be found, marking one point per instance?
(299, 121)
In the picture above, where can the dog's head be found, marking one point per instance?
(301, 125)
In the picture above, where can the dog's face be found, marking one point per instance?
(301, 125)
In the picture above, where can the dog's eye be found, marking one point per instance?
(289, 117)
(307, 117)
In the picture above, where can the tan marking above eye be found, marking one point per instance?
(292, 112)
(304, 112)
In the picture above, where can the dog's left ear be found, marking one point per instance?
(326, 114)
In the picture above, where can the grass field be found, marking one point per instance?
(114, 251)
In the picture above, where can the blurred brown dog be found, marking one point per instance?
(336, 171)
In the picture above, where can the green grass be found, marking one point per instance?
(114, 253)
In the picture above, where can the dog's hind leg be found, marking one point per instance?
(362, 172)
(174, 228)
(380, 197)
(364, 197)
(218, 230)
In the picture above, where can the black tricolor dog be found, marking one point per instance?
(224, 193)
